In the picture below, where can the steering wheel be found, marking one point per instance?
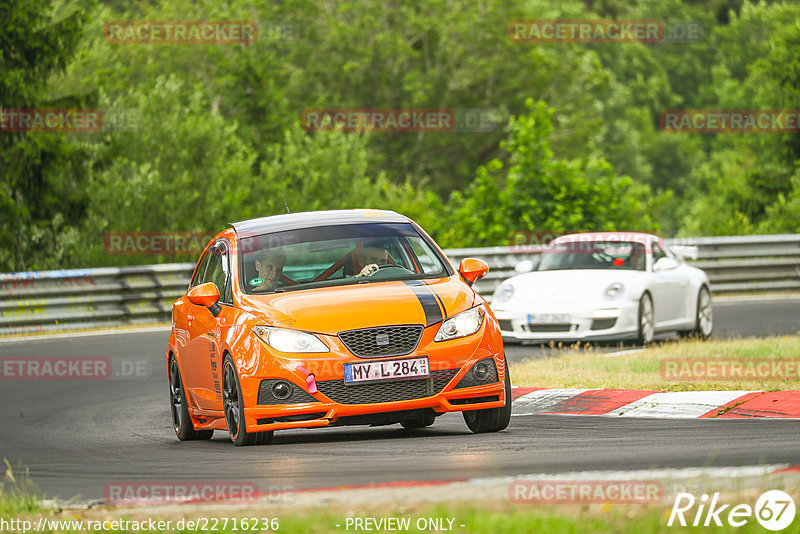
(385, 266)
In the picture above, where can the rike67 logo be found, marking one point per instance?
(774, 510)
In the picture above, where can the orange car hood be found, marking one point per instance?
(334, 309)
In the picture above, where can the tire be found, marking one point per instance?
(491, 419)
(233, 407)
(646, 320)
(418, 422)
(704, 316)
(179, 409)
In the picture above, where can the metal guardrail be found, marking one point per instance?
(81, 298)
(84, 298)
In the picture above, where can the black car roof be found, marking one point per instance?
(309, 219)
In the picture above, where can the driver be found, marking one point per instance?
(371, 258)
(269, 265)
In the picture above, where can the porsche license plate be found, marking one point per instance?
(548, 318)
(385, 370)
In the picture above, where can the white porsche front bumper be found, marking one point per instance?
(585, 322)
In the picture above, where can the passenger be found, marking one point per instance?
(636, 259)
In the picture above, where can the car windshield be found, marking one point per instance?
(620, 255)
(337, 255)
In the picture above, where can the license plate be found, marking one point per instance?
(385, 370)
(548, 318)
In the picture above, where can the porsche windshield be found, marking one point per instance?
(337, 255)
(625, 255)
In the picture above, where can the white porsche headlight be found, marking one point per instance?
(504, 293)
(463, 324)
(286, 340)
(614, 290)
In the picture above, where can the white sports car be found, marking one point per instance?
(604, 286)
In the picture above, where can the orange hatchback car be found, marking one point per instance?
(352, 317)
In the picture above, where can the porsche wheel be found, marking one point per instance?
(646, 320)
(234, 409)
(704, 316)
(181, 421)
(491, 419)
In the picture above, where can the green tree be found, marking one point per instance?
(42, 192)
(535, 190)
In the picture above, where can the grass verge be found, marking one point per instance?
(647, 369)
(487, 511)
(466, 518)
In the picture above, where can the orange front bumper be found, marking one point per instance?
(331, 411)
(449, 363)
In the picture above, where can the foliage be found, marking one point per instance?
(41, 184)
(217, 135)
(535, 190)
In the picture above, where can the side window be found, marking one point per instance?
(218, 271)
(430, 264)
(658, 253)
(197, 279)
(226, 292)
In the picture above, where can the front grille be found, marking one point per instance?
(399, 390)
(291, 418)
(603, 324)
(536, 328)
(475, 400)
(505, 325)
(298, 396)
(382, 340)
(469, 379)
(383, 418)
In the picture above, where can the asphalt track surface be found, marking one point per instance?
(78, 436)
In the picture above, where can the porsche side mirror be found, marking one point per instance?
(472, 269)
(206, 295)
(666, 264)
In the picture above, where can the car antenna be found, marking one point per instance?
(284, 201)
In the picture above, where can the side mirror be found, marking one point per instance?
(525, 266)
(206, 295)
(472, 269)
(666, 264)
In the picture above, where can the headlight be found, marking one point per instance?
(614, 290)
(504, 293)
(463, 324)
(286, 340)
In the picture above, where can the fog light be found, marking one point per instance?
(481, 371)
(281, 390)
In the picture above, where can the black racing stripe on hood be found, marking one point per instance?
(438, 298)
(433, 314)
